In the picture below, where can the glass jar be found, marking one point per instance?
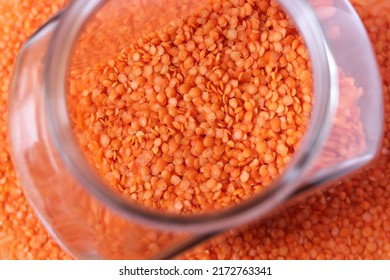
(90, 220)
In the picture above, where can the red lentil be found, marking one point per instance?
(189, 114)
(21, 235)
(347, 222)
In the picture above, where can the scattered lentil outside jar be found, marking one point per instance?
(139, 130)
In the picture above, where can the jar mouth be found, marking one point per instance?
(325, 95)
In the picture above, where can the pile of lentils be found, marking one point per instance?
(347, 222)
(200, 114)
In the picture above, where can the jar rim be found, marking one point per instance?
(325, 89)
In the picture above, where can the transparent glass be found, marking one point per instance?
(90, 220)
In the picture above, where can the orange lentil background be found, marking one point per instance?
(350, 221)
(200, 122)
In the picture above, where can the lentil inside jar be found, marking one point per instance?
(200, 114)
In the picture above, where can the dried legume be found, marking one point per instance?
(348, 222)
(219, 112)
